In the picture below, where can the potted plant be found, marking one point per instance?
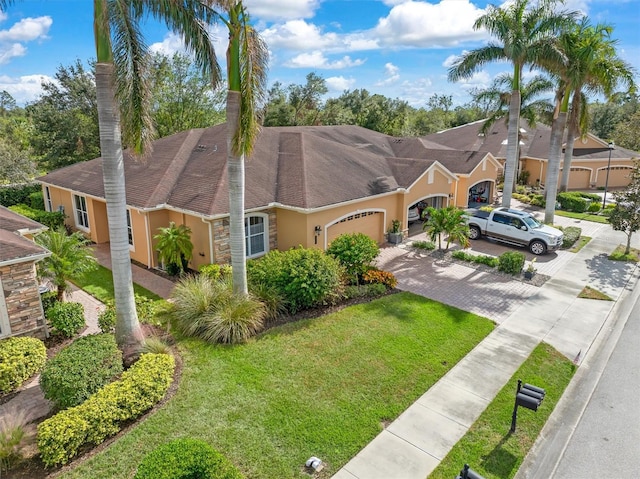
(394, 234)
(531, 270)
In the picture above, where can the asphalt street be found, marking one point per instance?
(606, 441)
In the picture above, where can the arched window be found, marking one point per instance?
(256, 234)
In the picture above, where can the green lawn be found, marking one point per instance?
(316, 387)
(583, 216)
(488, 447)
(99, 283)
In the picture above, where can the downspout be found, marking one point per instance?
(210, 228)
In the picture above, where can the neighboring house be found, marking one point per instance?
(588, 166)
(304, 186)
(21, 311)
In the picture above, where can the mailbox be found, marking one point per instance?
(527, 396)
(467, 473)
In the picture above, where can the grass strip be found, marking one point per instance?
(99, 284)
(488, 447)
(619, 255)
(590, 293)
(319, 387)
(583, 216)
(581, 243)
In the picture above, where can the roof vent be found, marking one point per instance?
(200, 148)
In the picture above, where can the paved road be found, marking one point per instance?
(606, 442)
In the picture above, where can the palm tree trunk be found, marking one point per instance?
(571, 138)
(513, 133)
(128, 332)
(553, 165)
(235, 173)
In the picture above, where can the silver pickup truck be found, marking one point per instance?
(514, 227)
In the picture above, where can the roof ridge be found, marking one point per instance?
(169, 179)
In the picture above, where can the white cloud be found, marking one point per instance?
(392, 75)
(24, 89)
(423, 24)
(340, 84)
(480, 79)
(282, 9)
(3, 16)
(7, 52)
(451, 59)
(173, 43)
(27, 29)
(298, 35)
(417, 91)
(316, 59)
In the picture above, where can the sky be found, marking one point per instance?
(398, 48)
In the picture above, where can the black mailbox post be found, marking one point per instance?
(527, 396)
(467, 473)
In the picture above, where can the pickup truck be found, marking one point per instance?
(514, 227)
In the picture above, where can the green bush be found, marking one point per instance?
(20, 358)
(572, 201)
(48, 300)
(480, 259)
(538, 200)
(355, 252)
(594, 207)
(371, 290)
(571, 235)
(107, 319)
(425, 245)
(66, 318)
(186, 459)
(270, 297)
(103, 414)
(211, 311)
(14, 195)
(304, 277)
(511, 262)
(81, 369)
(146, 309)
(216, 271)
(36, 200)
(53, 219)
(592, 196)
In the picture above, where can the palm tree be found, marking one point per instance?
(70, 257)
(174, 247)
(598, 69)
(525, 37)
(450, 221)
(123, 95)
(247, 58)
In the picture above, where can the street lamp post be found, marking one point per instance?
(606, 181)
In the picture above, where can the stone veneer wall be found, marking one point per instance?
(26, 317)
(221, 247)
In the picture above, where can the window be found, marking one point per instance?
(47, 199)
(256, 235)
(82, 216)
(129, 228)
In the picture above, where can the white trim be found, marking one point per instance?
(25, 259)
(337, 220)
(132, 246)
(265, 233)
(48, 204)
(147, 235)
(5, 324)
(85, 212)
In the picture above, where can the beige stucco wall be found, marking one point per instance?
(620, 169)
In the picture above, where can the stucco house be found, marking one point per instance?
(304, 186)
(21, 311)
(588, 165)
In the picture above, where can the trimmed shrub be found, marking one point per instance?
(425, 245)
(511, 262)
(571, 235)
(304, 277)
(211, 311)
(537, 200)
(472, 258)
(81, 369)
(66, 318)
(572, 201)
(186, 459)
(216, 271)
(594, 207)
(376, 276)
(364, 290)
(592, 196)
(53, 219)
(20, 358)
(103, 414)
(107, 319)
(15, 195)
(355, 252)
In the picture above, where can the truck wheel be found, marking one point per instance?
(537, 247)
(474, 232)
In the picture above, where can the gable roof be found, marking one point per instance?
(301, 167)
(14, 248)
(534, 141)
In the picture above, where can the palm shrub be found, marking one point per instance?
(211, 311)
(306, 278)
(174, 247)
(355, 252)
(449, 221)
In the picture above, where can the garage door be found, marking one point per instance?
(369, 223)
(579, 178)
(618, 176)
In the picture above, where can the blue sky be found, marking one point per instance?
(397, 48)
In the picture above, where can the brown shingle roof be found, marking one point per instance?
(304, 167)
(12, 245)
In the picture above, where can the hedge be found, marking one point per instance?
(81, 369)
(186, 459)
(14, 195)
(52, 219)
(103, 414)
(67, 318)
(572, 201)
(20, 358)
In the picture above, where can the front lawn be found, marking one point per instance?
(488, 447)
(99, 284)
(320, 387)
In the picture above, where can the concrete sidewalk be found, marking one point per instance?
(414, 444)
